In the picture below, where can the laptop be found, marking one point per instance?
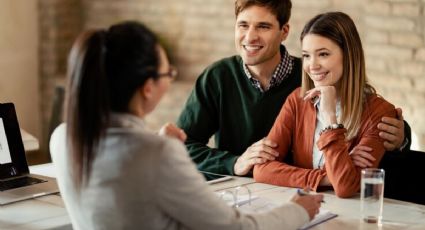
(16, 182)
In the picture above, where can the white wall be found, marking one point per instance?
(19, 61)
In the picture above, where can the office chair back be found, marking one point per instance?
(404, 176)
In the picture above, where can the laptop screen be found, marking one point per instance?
(12, 153)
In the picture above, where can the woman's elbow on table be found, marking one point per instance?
(344, 191)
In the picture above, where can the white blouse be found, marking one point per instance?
(143, 181)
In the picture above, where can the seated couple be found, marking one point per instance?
(334, 125)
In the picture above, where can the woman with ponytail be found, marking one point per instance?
(113, 173)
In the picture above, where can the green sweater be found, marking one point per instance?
(224, 103)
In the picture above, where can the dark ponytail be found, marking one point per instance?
(104, 70)
(87, 105)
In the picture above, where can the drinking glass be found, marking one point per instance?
(372, 195)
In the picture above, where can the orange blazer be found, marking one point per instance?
(293, 131)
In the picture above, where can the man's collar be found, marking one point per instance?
(281, 72)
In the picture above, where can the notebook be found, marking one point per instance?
(16, 182)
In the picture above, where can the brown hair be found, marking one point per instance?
(340, 28)
(280, 8)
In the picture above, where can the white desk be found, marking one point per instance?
(42, 213)
(46, 212)
(397, 214)
(49, 213)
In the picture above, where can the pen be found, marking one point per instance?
(303, 192)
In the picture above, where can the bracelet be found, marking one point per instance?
(332, 126)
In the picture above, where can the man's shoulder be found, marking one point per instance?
(225, 64)
(222, 70)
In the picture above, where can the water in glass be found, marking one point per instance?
(372, 198)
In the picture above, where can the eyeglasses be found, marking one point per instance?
(172, 73)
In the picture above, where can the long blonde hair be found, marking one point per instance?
(340, 28)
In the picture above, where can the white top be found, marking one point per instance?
(318, 156)
(142, 181)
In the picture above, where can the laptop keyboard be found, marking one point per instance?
(19, 182)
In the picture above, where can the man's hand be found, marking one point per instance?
(361, 157)
(172, 130)
(258, 153)
(392, 131)
(311, 203)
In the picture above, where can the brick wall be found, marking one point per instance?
(199, 32)
(59, 24)
(394, 35)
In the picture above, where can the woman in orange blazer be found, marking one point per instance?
(334, 111)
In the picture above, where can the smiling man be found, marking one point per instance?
(238, 98)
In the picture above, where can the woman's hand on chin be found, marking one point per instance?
(328, 98)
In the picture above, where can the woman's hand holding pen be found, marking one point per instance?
(311, 203)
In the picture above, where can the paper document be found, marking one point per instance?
(260, 204)
(324, 215)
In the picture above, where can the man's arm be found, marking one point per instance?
(397, 135)
(199, 119)
(224, 162)
(258, 153)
